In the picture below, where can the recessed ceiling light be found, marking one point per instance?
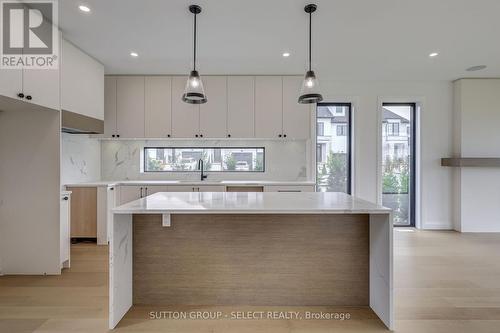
(476, 68)
(134, 54)
(84, 9)
(433, 54)
(286, 54)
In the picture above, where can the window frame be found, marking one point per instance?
(349, 138)
(144, 162)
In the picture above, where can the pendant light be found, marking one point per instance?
(309, 92)
(194, 92)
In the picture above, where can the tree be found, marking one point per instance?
(154, 165)
(337, 172)
(230, 162)
(259, 165)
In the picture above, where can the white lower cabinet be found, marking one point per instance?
(289, 188)
(64, 227)
(196, 188)
(133, 192)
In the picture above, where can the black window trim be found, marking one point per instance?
(413, 166)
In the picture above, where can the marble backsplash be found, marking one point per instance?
(80, 158)
(285, 160)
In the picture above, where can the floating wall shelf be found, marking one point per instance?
(484, 162)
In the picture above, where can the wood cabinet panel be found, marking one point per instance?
(241, 106)
(268, 106)
(158, 108)
(130, 106)
(83, 212)
(185, 116)
(213, 114)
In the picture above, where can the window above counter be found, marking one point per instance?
(216, 159)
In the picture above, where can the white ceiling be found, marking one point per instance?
(352, 39)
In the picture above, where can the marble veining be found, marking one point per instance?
(80, 158)
(285, 160)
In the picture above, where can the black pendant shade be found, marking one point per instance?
(309, 92)
(194, 92)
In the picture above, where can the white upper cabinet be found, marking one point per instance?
(213, 114)
(296, 117)
(158, 108)
(11, 82)
(41, 87)
(82, 82)
(240, 106)
(110, 106)
(268, 107)
(185, 116)
(130, 106)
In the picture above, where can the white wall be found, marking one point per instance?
(80, 159)
(477, 134)
(29, 190)
(435, 98)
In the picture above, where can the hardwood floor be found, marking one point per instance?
(445, 282)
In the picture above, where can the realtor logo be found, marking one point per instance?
(29, 34)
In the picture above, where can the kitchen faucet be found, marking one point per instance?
(200, 167)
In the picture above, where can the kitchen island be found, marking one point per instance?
(240, 248)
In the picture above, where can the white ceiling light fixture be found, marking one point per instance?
(194, 92)
(134, 54)
(286, 54)
(84, 8)
(309, 92)
(433, 54)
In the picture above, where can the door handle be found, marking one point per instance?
(141, 192)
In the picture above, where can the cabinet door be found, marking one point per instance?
(240, 106)
(185, 116)
(42, 86)
(289, 188)
(109, 106)
(130, 193)
(213, 114)
(82, 80)
(268, 107)
(65, 239)
(211, 188)
(183, 188)
(296, 117)
(158, 108)
(83, 212)
(11, 82)
(130, 106)
(152, 189)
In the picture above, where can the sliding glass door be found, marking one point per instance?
(398, 161)
(333, 147)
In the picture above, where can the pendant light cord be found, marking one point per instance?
(310, 38)
(194, 42)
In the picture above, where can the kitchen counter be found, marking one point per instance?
(195, 183)
(251, 248)
(250, 203)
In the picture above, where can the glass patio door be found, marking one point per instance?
(398, 161)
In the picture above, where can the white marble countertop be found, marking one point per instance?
(195, 182)
(250, 203)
